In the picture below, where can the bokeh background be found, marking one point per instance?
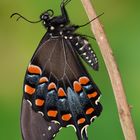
(18, 41)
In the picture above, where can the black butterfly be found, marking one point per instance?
(58, 91)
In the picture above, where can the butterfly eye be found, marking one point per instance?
(44, 16)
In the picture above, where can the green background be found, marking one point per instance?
(18, 41)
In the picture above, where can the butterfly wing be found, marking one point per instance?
(34, 126)
(58, 87)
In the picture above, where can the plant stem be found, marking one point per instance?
(106, 51)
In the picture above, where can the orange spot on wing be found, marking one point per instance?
(80, 121)
(61, 92)
(66, 117)
(39, 102)
(52, 113)
(89, 111)
(43, 80)
(34, 69)
(83, 80)
(29, 89)
(92, 95)
(77, 87)
(51, 86)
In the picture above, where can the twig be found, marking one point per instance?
(106, 51)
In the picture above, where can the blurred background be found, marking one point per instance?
(18, 41)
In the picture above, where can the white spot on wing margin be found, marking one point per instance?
(93, 118)
(96, 102)
(41, 113)
(85, 127)
(72, 126)
(56, 122)
(29, 102)
(49, 128)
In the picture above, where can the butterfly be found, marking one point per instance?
(58, 91)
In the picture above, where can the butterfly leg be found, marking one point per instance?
(65, 2)
(63, 10)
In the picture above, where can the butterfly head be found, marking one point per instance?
(46, 16)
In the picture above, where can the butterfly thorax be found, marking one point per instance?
(59, 29)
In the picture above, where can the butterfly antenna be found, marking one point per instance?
(20, 16)
(65, 2)
(90, 21)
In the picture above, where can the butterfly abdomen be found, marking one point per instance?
(85, 50)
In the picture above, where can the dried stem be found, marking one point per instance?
(106, 51)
